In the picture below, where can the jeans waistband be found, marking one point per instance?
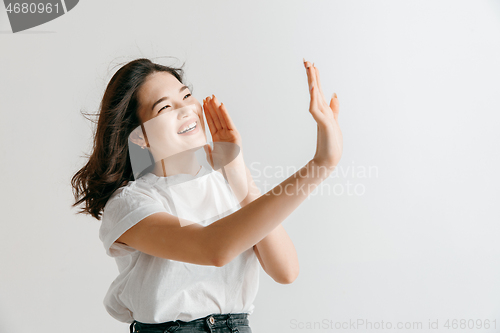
(214, 320)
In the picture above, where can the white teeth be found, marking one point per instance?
(188, 128)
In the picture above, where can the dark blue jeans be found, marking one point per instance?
(214, 323)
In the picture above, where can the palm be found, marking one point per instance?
(223, 131)
(220, 124)
(224, 135)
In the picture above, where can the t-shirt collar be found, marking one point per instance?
(151, 178)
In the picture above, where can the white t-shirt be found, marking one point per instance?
(151, 289)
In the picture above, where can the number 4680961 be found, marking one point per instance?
(32, 8)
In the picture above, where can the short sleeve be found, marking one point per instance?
(122, 211)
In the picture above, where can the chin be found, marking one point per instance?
(199, 142)
(202, 142)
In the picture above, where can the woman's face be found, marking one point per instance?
(166, 109)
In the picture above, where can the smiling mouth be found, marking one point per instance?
(189, 128)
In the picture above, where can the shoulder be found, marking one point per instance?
(126, 207)
(133, 191)
(129, 198)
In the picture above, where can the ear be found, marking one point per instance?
(137, 137)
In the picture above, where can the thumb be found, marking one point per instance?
(208, 152)
(334, 105)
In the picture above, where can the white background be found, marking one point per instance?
(418, 85)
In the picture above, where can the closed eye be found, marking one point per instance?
(166, 106)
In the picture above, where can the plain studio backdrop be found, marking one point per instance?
(405, 231)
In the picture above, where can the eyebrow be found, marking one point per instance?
(166, 97)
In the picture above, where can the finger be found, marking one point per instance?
(220, 113)
(310, 79)
(320, 99)
(317, 96)
(227, 118)
(320, 89)
(334, 105)
(215, 109)
(313, 75)
(215, 117)
(208, 115)
(206, 148)
(313, 106)
(208, 152)
(309, 74)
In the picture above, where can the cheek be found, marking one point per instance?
(199, 113)
(161, 130)
(199, 110)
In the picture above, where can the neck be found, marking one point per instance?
(185, 162)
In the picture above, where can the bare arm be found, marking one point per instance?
(249, 225)
(275, 252)
(161, 234)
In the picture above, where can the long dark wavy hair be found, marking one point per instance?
(109, 167)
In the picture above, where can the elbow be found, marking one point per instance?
(220, 259)
(289, 278)
(215, 252)
(218, 262)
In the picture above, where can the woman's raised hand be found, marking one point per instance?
(220, 124)
(329, 144)
(226, 138)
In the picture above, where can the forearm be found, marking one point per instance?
(276, 251)
(278, 256)
(249, 225)
(253, 190)
(237, 175)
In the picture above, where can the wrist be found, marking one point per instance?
(324, 167)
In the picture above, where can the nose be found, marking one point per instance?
(187, 111)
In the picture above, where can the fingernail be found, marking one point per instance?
(335, 94)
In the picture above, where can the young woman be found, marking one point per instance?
(188, 237)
